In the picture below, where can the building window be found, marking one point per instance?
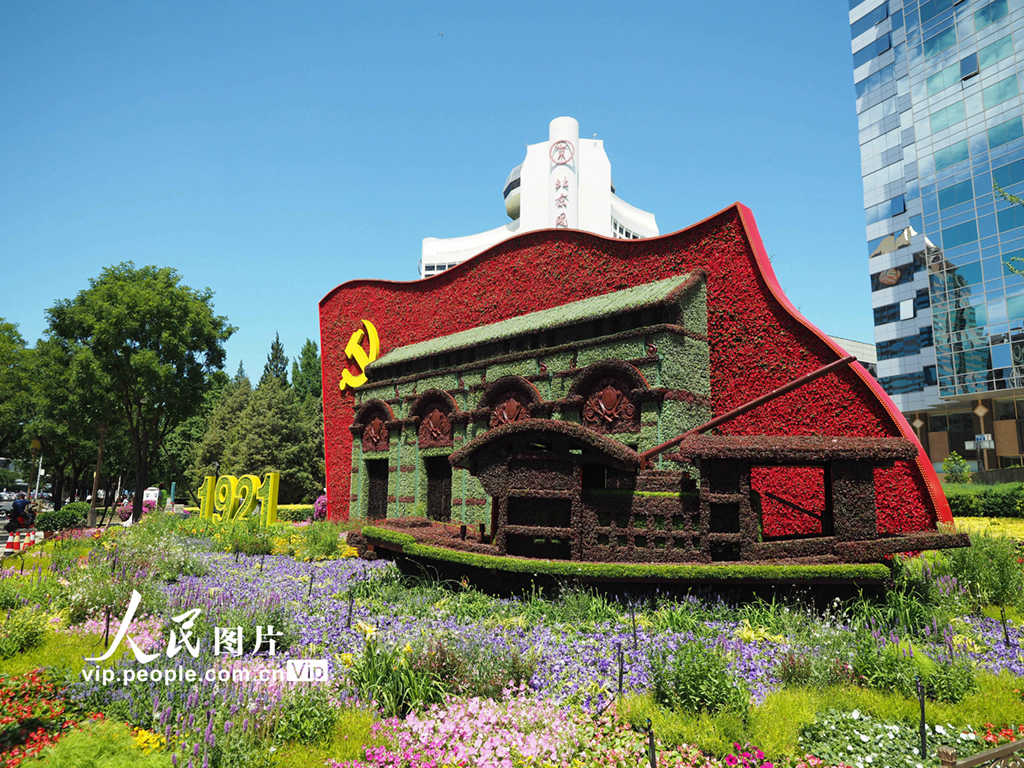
(951, 115)
(996, 52)
(907, 309)
(951, 155)
(969, 66)
(989, 15)
(930, 378)
(1005, 132)
(868, 20)
(960, 234)
(1002, 91)
(933, 46)
(942, 79)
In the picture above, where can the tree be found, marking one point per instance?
(277, 362)
(182, 446)
(221, 432)
(306, 372)
(15, 398)
(955, 468)
(273, 434)
(154, 341)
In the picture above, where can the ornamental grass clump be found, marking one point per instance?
(21, 630)
(696, 679)
(384, 675)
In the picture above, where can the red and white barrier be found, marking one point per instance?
(19, 541)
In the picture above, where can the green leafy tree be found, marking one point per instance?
(306, 372)
(277, 362)
(956, 469)
(273, 434)
(15, 397)
(182, 446)
(155, 341)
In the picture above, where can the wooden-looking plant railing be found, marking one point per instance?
(1007, 756)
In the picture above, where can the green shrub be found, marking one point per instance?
(103, 585)
(696, 679)
(955, 469)
(305, 716)
(988, 568)
(473, 669)
(294, 512)
(21, 631)
(319, 541)
(68, 516)
(1002, 500)
(100, 745)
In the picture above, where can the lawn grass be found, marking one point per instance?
(973, 489)
(60, 651)
(348, 741)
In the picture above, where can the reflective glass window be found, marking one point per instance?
(1013, 260)
(951, 155)
(943, 79)
(1009, 174)
(1011, 218)
(968, 274)
(996, 52)
(869, 51)
(933, 8)
(883, 75)
(868, 20)
(1004, 132)
(960, 235)
(990, 14)
(948, 116)
(929, 375)
(968, 66)
(1000, 92)
(940, 42)
(955, 194)
(1015, 307)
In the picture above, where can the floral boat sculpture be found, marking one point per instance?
(550, 427)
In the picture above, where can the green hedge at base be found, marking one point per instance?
(861, 572)
(970, 500)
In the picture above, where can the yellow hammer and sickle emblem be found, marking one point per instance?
(354, 351)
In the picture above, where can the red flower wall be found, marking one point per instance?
(758, 342)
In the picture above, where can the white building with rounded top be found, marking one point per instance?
(562, 183)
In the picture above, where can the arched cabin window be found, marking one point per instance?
(607, 391)
(509, 400)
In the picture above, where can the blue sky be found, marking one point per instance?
(271, 151)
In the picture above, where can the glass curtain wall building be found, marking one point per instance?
(939, 104)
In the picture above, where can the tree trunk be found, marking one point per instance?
(140, 483)
(96, 476)
(58, 486)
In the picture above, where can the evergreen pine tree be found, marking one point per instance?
(277, 362)
(306, 372)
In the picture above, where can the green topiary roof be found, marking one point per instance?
(628, 300)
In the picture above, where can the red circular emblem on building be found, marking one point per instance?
(561, 152)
